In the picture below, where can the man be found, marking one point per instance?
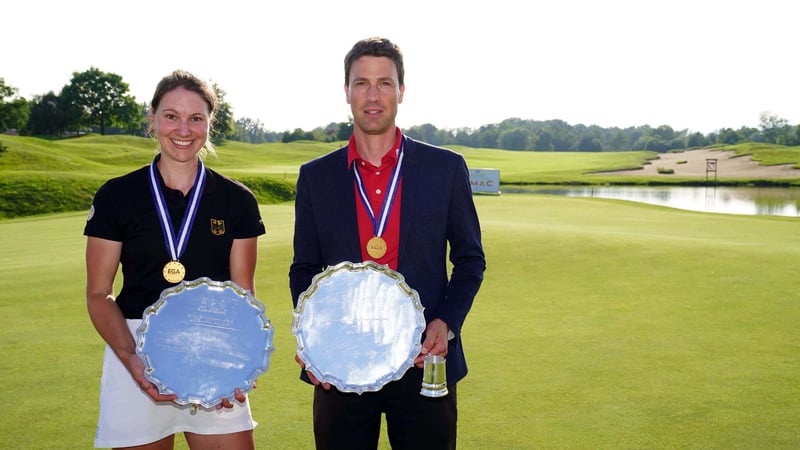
(388, 198)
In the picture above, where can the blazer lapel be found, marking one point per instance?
(409, 194)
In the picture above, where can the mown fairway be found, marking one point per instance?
(39, 176)
(600, 324)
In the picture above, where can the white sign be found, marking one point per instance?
(485, 180)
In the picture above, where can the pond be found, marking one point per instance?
(766, 201)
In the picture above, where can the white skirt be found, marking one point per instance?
(129, 417)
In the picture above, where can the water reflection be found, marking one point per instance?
(726, 200)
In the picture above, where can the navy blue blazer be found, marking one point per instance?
(437, 210)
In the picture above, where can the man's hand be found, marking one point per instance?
(435, 341)
(314, 380)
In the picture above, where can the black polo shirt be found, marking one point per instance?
(123, 210)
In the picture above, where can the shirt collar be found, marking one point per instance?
(352, 152)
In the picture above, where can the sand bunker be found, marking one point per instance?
(693, 164)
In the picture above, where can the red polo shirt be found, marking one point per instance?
(376, 184)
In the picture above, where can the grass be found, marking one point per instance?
(601, 325)
(39, 176)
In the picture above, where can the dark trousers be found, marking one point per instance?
(349, 421)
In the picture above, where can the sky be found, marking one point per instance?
(700, 65)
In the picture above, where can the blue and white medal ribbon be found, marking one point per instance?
(376, 246)
(174, 271)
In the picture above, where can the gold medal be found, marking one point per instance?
(376, 247)
(174, 271)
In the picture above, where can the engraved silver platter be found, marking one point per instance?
(203, 339)
(358, 326)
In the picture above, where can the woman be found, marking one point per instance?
(131, 223)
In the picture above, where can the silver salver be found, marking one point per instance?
(358, 326)
(203, 339)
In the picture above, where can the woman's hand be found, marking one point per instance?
(136, 368)
(240, 397)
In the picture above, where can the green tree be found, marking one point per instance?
(14, 110)
(664, 133)
(248, 130)
(774, 129)
(345, 129)
(561, 134)
(465, 136)
(327, 133)
(589, 144)
(588, 139)
(651, 143)
(47, 116)
(619, 141)
(487, 136)
(696, 140)
(794, 136)
(224, 125)
(728, 136)
(425, 132)
(297, 135)
(543, 142)
(97, 99)
(513, 139)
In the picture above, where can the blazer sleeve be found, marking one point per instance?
(439, 222)
(466, 251)
(307, 260)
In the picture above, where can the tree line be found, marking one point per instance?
(95, 101)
